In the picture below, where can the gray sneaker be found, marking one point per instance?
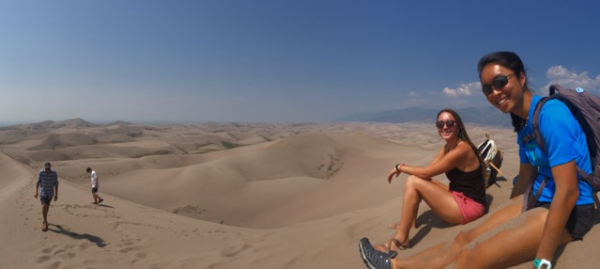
(374, 259)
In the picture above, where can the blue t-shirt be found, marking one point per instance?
(565, 141)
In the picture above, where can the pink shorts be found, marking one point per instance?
(469, 209)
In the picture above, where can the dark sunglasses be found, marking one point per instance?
(449, 123)
(498, 83)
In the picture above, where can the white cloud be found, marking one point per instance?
(462, 90)
(571, 79)
(413, 94)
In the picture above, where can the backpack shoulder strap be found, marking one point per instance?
(529, 198)
(537, 134)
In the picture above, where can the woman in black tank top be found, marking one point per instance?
(458, 158)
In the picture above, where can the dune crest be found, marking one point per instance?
(225, 195)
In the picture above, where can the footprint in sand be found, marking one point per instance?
(358, 228)
(55, 265)
(67, 256)
(129, 242)
(43, 259)
(90, 211)
(233, 250)
(84, 246)
(48, 250)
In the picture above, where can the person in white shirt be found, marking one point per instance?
(95, 185)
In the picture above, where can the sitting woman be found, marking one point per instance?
(463, 201)
(522, 231)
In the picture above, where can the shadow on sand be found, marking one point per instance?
(92, 238)
(431, 220)
(103, 205)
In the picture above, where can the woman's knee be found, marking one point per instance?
(413, 181)
(537, 216)
(462, 239)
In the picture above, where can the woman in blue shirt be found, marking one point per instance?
(563, 212)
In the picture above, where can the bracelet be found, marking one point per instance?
(398, 169)
(537, 263)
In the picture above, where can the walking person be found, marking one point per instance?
(47, 188)
(95, 185)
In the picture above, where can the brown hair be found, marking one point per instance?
(462, 132)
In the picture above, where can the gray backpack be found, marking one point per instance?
(585, 107)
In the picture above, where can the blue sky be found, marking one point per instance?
(276, 61)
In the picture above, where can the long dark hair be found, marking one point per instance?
(462, 132)
(509, 60)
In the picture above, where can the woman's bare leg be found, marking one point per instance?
(445, 253)
(516, 244)
(414, 223)
(502, 242)
(435, 195)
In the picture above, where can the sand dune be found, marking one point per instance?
(224, 195)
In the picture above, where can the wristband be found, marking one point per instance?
(398, 169)
(538, 264)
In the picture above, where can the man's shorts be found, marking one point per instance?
(94, 190)
(580, 220)
(45, 199)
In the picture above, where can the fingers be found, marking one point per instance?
(393, 173)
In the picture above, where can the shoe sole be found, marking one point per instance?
(364, 256)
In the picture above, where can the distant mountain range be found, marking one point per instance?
(49, 124)
(470, 115)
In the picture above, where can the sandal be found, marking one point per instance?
(44, 226)
(397, 244)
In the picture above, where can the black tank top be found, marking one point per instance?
(469, 183)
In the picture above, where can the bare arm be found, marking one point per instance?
(527, 173)
(567, 192)
(37, 187)
(442, 163)
(56, 191)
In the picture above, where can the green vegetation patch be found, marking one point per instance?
(229, 145)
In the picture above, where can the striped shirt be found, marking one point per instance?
(47, 182)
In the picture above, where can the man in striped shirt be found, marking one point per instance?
(46, 187)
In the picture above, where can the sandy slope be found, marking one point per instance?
(296, 196)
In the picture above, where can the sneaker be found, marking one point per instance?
(374, 259)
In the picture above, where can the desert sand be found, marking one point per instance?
(226, 195)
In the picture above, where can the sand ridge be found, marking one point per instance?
(224, 195)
